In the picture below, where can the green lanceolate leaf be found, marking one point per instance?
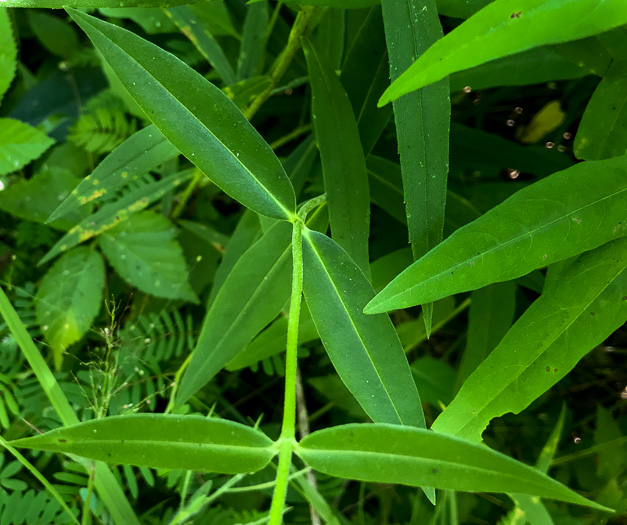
(8, 53)
(194, 29)
(251, 297)
(20, 144)
(69, 298)
(162, 441)
(364, 350)
(197, 118)
(422, 126)
(602, 133)
(143, 151)
(60, 4)
(252, 48)
(412, 456)
(343, 163)
(114, 213)
(548, 340)
(144, 252)
(365, 76)
(503, 28)
(562, 215)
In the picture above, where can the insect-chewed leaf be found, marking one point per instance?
(418, 457)
(503, 28)
(548, 340)
(162, 441)
(197, 118)
(562, 215)
(365, 350)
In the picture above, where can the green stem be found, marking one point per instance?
(294, 42)
(189, 190)
(288, 428)
(290, 136)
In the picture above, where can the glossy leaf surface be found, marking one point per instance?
(502, 29)
(602, 133)
(412, 456)
(162, 441)
(342, 156)
(562, 215)
(197, 118)
(144, 251)
(548, 340)
(364, 350)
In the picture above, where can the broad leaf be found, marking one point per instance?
(548, 340)
(412, 456)
(144, 252)
(422, 126)
(69, 298)
(602, 133)
(343, 163)
(8, 53)
(143, 151)
(562, 215)
(193, 28)
(162, 441)
(116, 212)
(20, 144)
(364, 350)
(503, 28)
(196, 117)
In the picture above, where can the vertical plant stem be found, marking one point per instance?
(294, 41)
(288, 428)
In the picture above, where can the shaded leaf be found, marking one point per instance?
(143, 250)
(413, 456)
(252, 47)
(364, 350)
(20, 144)
(162, 441)
(562, 215)
(197, 118)
(502, 29)
(8, 53)
(548, 340)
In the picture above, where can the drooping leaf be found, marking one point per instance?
(412, 456)
(115, 212)
(365, 76)
(20, 144)
(602, 133)
(503, 28)
(136, 156)
(562, 215)
(162, 441)
(69, 298)
(422, 126)
(197, 118)
(364, 350)
(144, 251)
(343, 163)
(548, 340)
(8, 53)
(194, 29)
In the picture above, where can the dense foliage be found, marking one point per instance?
(327, 261)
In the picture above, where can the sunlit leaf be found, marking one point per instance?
(20, 144)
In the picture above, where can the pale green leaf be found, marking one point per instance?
(136, 156)
(162, 441)
(116, 212)
(602, 133)
(69, 297)
(503, 28)
(197, 118)
(342, 156)
(8, 53)
(562, 215)
(411, 456)
(20, 144)
(548, 340)
(364, 350)
(144, 251)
